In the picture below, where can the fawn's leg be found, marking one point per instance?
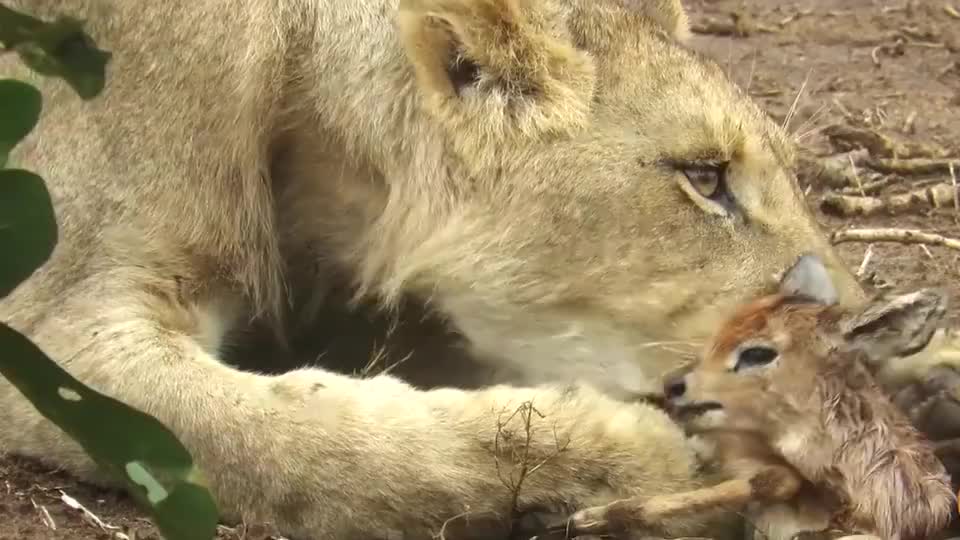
(665, 514)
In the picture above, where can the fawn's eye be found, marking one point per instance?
(755, 357)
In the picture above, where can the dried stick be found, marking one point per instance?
(739, 25)
(956, 191)
(868, 188)
(937, 196)
(866, 260)
(834, 171)
(521, 457)
(915, 166)
(844, 138)
(472, 525)
(901, 236)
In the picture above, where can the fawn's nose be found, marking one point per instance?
(675, 387)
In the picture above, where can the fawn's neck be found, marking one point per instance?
(865, 451)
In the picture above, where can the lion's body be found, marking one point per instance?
(516, 166)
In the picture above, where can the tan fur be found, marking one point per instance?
(250, 160)
(818, 413)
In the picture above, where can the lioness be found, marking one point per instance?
(562, 180)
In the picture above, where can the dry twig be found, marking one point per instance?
(937, 196)
(949, 68)
(845, 138)
(44, 514)
(900, 236)
(890, 49)
(793, 17)
(867, 255)
(909, 123)
(916, 166)
(86, 514)
(740, 25)
(473, 525)
(834, 171)
(520, 451)
(869, 188)
(956, 193)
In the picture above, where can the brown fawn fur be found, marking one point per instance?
(802, 433)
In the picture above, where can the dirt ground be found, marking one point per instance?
(882, 67)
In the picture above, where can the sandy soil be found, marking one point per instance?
(884, 66)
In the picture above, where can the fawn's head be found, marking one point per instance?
(767, 368)
(795, 369)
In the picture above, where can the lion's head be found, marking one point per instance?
(581, 192)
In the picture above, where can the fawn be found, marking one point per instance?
(805, 438)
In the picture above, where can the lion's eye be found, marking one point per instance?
(755, 357)
(705, 183)
(707, 180)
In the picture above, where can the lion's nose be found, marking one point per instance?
(675, 387)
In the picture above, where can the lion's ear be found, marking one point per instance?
(483, 62)
(669, 14)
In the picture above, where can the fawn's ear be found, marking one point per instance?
(484, 66)
(900, 326)
(808, 277)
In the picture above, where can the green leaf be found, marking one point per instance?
(20, 105)
(73, 57)
(60, 48)
(15, 26)
(133, 446)
(28, 228)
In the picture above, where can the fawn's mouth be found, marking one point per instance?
(655, 400)
(689, 411)
(679, 411)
